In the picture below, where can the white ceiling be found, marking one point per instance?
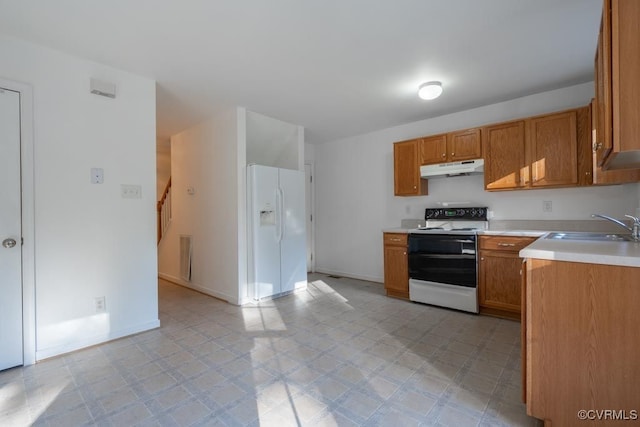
(337, 67)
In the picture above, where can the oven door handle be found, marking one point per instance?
(446, 256)
(463, 241)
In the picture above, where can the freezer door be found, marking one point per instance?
(264, 253)
(293, 247)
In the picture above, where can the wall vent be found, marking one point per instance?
(102, 88)
(186, 249)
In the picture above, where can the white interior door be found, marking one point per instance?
(11, 353)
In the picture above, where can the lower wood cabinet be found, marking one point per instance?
(582, 342)
(499, 275)
(396, 265)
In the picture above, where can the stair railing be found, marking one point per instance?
(164, 211)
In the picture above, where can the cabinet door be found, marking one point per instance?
(505, 156)
(433, 150)
(464, 145)
(617, 90)
(406, 169)
(553, 145)
(499, 284)
(599, 176)
(604, 125)
(625, 92)
(396, 271)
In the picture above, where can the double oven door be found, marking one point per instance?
(443, 270)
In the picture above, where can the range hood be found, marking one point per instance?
(464, 167)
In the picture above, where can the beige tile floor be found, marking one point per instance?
(338, 354)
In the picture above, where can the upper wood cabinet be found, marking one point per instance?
(589, 173)
(505, 159)
(433, 149)
(617, 81)
(451, 147)
(602, 139)
(553, 150)
(406, 169)
(464, 145)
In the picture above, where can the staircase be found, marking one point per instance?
(164, 211)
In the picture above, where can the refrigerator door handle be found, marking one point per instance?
(283, 222)
(279, 212)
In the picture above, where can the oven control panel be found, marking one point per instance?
(478, 214)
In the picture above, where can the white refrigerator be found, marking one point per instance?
(276, 231)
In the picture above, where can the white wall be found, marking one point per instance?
(207, 157)
(272, 142)
(354, 186)
(89, 242)
(309, 153)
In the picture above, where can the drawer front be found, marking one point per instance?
(396, 239)
(505, 243)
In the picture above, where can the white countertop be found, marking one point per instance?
(396, 230)
(517, 233)
(612, 253)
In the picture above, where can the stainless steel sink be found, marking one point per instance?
(596, 237)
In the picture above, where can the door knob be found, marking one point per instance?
(8, 243)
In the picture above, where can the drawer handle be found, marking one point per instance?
(506, 244)
(395, 239)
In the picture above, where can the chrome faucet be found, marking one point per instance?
(634, 229)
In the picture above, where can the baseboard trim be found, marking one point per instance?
(199, 288)
(94, 340)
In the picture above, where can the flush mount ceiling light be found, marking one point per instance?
(430, 90)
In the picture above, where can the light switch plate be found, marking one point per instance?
(128, 191)
(97, 175)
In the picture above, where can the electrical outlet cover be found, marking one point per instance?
(97, 175)
(128, 191)
(100, 304)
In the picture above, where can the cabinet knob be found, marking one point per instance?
(414, 187)
(481, 259)
(444, 154)
(404, 253)
(453, 154)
